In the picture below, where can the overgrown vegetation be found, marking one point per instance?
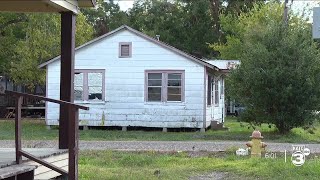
(36, 130)
(27, 39)
(278, 79)
(150, 165)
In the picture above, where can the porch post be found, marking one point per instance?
(68, 20)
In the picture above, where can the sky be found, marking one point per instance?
(297, 6)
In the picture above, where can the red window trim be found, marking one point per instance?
(85, 82)
(130, 49)
(164, 88)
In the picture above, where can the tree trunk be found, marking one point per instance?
(282, 128)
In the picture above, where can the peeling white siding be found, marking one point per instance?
(124, 103)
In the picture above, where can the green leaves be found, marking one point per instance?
(277, 80)
(30, 39)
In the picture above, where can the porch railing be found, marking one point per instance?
(73, 128)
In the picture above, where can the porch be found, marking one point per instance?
(9, 168)
(69, 112)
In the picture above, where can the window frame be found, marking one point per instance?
(208, 90)
(164, 85)
(85, 94)
(216, 91)
(221, 87)
(130, 49)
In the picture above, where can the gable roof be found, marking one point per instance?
(140, 34)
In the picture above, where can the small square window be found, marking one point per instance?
(125, 49)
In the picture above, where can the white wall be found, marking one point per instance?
(124, 104)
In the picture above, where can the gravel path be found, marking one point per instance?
(159, 145)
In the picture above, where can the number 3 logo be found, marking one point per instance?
(298, 158)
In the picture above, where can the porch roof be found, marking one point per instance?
(44, 5)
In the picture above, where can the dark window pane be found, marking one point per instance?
(154, 82)
(174, 76)
(154, 93)
(125, 50)
(174, 91)
(174, 82)
(154, 76)
(174, 97)
(216, 98)
(153, 90)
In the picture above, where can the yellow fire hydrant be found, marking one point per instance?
(256, 145)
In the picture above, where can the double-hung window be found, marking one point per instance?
(221, 87)
(216, 92)
(164, 86)
(213, 90)
(89, 85)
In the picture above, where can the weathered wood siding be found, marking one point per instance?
(124, 103)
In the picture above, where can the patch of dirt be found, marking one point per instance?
(216, 175)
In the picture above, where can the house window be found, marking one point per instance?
(125, 49)
(216, 92)
(164, 86)
(212, 91)
(209, 98)
(221, 87)
(89, 85)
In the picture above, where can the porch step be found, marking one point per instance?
(19, 172)
(43, 172)
(215, 125)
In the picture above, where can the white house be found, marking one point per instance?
(130, 79)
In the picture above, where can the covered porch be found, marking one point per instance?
(27, 163)
(9, 168)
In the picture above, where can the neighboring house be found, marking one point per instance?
(130, 79)
(225, 66)
(30, 106)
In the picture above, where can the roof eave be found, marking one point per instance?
(87, 3)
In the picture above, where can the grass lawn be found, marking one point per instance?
(36, 129)
(151, 165)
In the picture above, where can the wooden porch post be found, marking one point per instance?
(73, 143)
(68, 20)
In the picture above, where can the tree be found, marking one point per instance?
(106, 17)
(184, 24)
(278, 79)
(11, 30)
(36, 39)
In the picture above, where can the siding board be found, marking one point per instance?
(124, 104)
